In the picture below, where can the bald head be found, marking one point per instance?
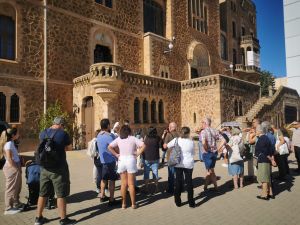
(172, 126)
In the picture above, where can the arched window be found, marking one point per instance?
(161, 117)
(200, 62)
(236, 108)
(145, 111)
(102, 54)
(14, 108)
(137, 111)
(7, 32)
(195, 118)
(2, 106)
(153, 112)
(240, 108)
(223, 47)
(154, 17)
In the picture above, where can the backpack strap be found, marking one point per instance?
(53, 134)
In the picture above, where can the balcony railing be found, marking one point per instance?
(243, 68)
(249, 39)
(106, 70)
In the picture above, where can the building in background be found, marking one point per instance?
(292, 40)
(146, 61)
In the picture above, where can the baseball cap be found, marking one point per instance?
(58, 121)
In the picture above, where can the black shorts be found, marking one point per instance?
(109, 171)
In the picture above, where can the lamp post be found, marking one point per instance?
(231, 68)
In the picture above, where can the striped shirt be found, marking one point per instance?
(211, 136)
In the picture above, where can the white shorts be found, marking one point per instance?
(127, 164)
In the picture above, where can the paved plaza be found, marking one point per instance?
(229, 207)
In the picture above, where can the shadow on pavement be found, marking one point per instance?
(81, 196)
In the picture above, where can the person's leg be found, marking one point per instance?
(124, 185)
(265, 189)
(178, 185)
(207, 179)
(171, 175)
(235, 181)
(103, 184)
(188, 176)
(163, 156)
(241, 180)
(10, 175)
(154, 168)
(131, 178)
(40, 206)
(281, 167)
(297, 155)
(146, 174)
(18, 187)
(213, 178)
(286, 162)
(111, 188)
(62, 207)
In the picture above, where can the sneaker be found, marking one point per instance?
(19, 206)
(67, 221)
(97, 190)
(106, 192)
(40, 220)
(114, 202)
(11, 211)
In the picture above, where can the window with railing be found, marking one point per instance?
(107, 3)
(7, 37)
(2, 107)
(198, 15)
(14, 108)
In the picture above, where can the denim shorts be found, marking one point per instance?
(153, 166)
(210, 159)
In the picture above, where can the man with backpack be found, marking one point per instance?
(51, 155)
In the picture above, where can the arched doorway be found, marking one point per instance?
(88, 117)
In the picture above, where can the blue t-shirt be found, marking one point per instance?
(103, 140)
(272, 139)
(61, 140)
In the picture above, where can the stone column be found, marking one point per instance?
(169, 19)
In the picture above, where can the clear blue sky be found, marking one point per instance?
(270, 28)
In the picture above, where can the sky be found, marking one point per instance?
(270, 29)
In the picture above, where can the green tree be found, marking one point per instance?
(266, 79)
(53, 111)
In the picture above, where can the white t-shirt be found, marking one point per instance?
(187, 152)
(10, 146)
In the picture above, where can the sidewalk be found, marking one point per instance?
(232, 207)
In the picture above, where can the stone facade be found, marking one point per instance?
(142, 65)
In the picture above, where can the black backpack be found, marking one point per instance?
(46, 154)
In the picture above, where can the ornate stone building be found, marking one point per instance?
(148, 61)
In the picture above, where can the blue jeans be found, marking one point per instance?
(200, 145)
(171, 178)
(153, 166)
(163, 155)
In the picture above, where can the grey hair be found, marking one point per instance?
(266, 125)
(260, 129)
(207, 120)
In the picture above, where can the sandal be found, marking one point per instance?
(134, 206)
(124, 206)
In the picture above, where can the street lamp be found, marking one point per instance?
(170, 46)
(231, 68)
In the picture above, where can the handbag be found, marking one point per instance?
(283, 149)
(234, 152)
(175, 155)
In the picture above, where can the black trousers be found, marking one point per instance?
(98, 165)
(282, 163)
(179, 178)
(297, 154)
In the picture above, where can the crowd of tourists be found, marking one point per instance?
(118, 153)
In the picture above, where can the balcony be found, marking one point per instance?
(249, 40)
(105, 78)
(243, 68)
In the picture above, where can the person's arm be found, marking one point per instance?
(141, 150)
(282, 141)
(8, 154)
(252, 138)
(113, 151)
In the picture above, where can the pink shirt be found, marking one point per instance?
(127, 146)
